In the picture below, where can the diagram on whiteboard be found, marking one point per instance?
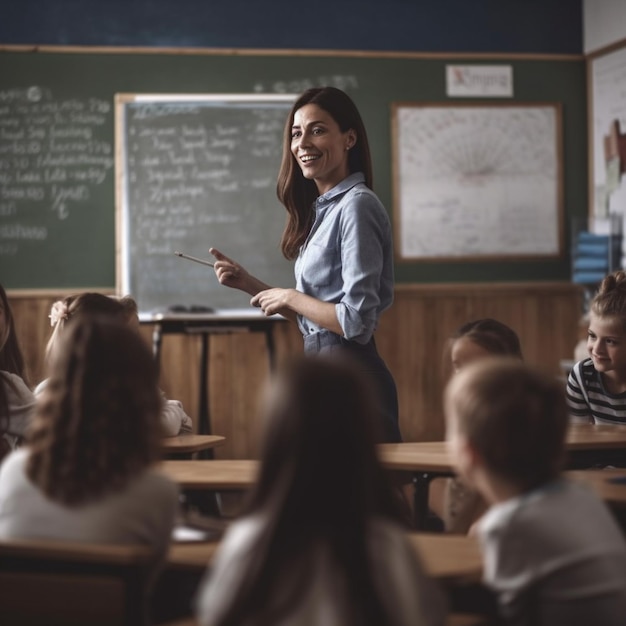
(477, 181)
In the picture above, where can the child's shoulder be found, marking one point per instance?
(553, 507)
(584, 365)
(583, 370)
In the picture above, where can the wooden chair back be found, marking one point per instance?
(72, 584)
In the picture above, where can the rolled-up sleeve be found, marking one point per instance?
(364, 233)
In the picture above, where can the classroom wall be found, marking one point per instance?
(412, 338)
(532, 26)
(412, 335)
(604, 23)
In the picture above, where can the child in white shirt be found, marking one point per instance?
(87, 470)
(553, 552)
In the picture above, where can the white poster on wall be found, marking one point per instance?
(480, 81)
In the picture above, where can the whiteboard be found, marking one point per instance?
(607, 105)
(474, 181)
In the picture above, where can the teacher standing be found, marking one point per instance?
(339, 234)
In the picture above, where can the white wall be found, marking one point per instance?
(604, 23)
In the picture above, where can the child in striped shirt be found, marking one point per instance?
(596, 386)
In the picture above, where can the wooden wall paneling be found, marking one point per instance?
(287, 341)
(33, 328)
(544, 316)
(180, 371)
(411, 338)
(239, 369)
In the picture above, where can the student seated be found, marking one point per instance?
(596, 386)
(85, 473)
(174, 420)
(553, 552)
(458, 505)
(173, 417)
(17, 401)
(320, 543)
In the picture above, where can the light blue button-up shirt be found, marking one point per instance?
(348, 258)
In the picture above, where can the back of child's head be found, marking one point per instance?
(11, 358)
(96, 423)
(494, 336)
(318, 454)
(478, 339)
(514, 416)
(131, 310)
(319, 487)
(90, 303)
(610, 299)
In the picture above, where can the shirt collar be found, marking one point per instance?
(342, 187)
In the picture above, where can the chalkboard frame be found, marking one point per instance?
(124, 283)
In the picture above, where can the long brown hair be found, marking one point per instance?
(297, 193)
(492, 335)
(87, 302)
(96, 424)
(320, 483)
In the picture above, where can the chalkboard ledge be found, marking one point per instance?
(217, 315)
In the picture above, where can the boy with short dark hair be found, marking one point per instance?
(553, 552)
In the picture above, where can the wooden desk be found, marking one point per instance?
(422, 456)
(596, 437)
(596, 445)
(190, 443)
(205, 324)
(425, 460)
(430, 459)
(432, 456)
(614, 494)
(453, 559)
(217, 475)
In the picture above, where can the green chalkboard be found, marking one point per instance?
(198, 171)
(58, 149)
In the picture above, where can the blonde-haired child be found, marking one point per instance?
(596, 386)
(553, 553)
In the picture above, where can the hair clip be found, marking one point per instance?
(59, 311)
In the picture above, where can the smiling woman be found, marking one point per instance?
(339, 234)
(319, 146)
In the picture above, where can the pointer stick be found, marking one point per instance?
(193, 258)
